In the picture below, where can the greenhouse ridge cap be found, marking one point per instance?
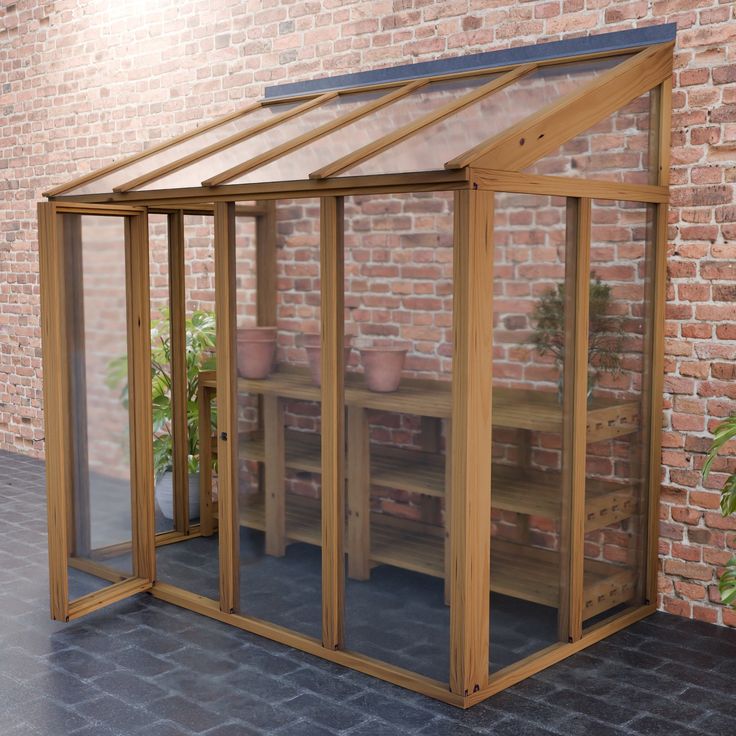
(600, 43)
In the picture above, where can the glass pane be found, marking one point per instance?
(194, 563)
(299, 163)
(158, 243)
(528, 492)
(398, 294)
(101, 531)
(616, 149)
(194, 174)
(150, 163)
(279, 423)
(618, 379)
(430, 148)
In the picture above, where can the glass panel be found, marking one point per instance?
(158, 243)
(430, 148)
(150, 163)
(279, 423)
(299, 163)
(618, 379)
(616, 149)
(192, 564)
(398, 294)
(100, 529)
(528, 493)
(194, 174)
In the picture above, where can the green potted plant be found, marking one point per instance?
(723, 433)
(200, 344)
(605, 333)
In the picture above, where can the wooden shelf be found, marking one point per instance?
(537, 493)
(514, 408)
(519, 571)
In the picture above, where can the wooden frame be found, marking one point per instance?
(59, 246)
(469, 562)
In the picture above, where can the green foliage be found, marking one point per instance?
(724, 432)
(727, 583)
(200, 345)
(605, 333)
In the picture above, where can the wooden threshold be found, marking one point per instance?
(111, 594)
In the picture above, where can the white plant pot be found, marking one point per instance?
(165, 495)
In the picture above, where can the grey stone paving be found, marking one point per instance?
(144, 667)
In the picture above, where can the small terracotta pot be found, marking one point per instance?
(312, 344)
(256, 351)
(383, 366)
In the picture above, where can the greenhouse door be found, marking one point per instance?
(95, 319)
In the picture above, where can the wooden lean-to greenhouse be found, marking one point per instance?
(372, 367)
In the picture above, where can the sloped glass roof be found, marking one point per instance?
(399, 126)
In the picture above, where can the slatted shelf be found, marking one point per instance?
(537, 493)
(516, 408)
(517, 570)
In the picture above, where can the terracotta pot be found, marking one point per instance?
(312, 344)
(383, 366)
(256, 351)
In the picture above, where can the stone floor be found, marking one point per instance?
(144, 667)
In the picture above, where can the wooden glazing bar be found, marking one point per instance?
(543, 132)
(57, 409)
(302, 140)
(139, 396)
(332, 316)
(574, 423)
(121, 163)
(412, 128)
(231, 140)
(179, 390)
(227, 405)
(561, 186)
(266, 265)
(470, 519)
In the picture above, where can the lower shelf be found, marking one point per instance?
(520, 571)
(533, 492)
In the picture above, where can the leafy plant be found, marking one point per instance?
(605, 333)
(200, 343)
(724, 432)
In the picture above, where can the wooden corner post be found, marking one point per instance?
(332, 282)
(56, 400)
(574, 419)
(470, 517)
(227, 407)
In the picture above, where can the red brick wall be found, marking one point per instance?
(78, 89)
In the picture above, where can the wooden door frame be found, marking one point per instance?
(58, 405)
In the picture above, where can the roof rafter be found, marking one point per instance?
(396, 136)
(543, 132)
(121, 163)
(231, 140)
(302, 140)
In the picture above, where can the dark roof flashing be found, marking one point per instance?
(579, 46)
